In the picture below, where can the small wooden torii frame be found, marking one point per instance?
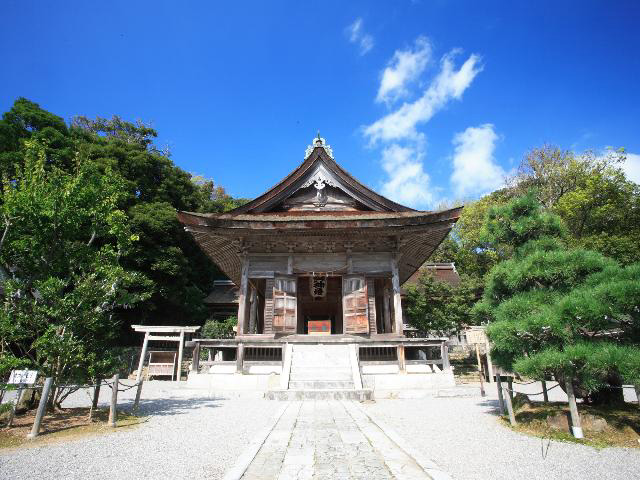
(149, 329)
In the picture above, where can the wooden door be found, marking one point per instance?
(285, 303)
(354, 304)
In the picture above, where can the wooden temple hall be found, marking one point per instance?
(320, 259)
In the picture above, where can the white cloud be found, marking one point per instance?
(475, 170)
(356, 35)
(405, 67)
(447, 85)
(631, 167)
(408, 183)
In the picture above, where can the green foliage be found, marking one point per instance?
(63, 237)
(150, 189)
(440, 308)
(590, 192)
(555, 310)
(214, 328)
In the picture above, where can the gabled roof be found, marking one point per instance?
(319, 165)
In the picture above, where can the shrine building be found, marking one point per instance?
(319, 260)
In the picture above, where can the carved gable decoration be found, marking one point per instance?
(321, 190)
(323, 184)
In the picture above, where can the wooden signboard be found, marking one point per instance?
(476, 335)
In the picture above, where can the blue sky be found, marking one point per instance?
(424, 101)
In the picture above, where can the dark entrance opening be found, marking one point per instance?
(320, 309)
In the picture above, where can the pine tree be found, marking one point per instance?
(558, 311)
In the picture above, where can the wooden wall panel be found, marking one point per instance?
(319, 263)
(375, 262)
(260, 264)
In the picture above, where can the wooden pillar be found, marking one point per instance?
(243, 297)
(397, 300)
(143, 354)
(576, 426)
(290, 265)
(180, 352)
(386, 300)
(240, 358)
(195, 360)
(402, 362)
(545, 393)
(253, 309)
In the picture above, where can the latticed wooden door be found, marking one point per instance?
(285, 302)
(354, 304)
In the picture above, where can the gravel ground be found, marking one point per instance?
(188, 435)
(463, 436)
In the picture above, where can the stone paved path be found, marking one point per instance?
(330, 440)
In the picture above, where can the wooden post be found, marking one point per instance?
(478, 357)
(576, 427)
(240, 359)
(195, 359)
(481, 374)
(500, 397)
(512, 417)
(96, 396)
(510, 384)
(397, 300)
(489, 363)
(136, 402)
(114, 400)
(444, 354)
(180, 353)
(545, 394)
(42, 406)
(402, 363)
(242, 297)
(12, 412)
(143, 354)
(637, 389)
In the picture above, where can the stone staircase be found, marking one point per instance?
(321, 371)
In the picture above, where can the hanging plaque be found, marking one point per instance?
(318, 287)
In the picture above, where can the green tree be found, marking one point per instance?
(152, 188)
(590, 192)
(60, 251)
(440, 308)
(554, 310)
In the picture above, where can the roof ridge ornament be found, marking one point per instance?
(318, 142)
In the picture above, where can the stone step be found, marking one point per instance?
(323, 376)
(338, 394)
(321, 385)
(319, 370)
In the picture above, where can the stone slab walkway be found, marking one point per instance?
(332, 440)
